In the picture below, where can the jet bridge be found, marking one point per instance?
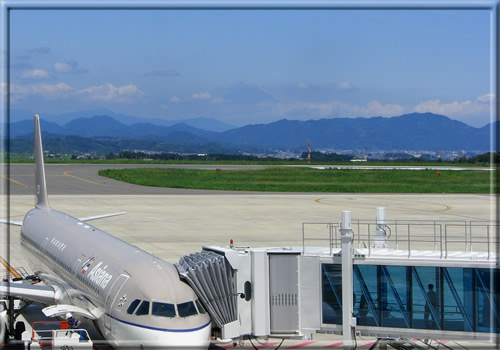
(370, 278)
(256, 291)
(214, 281)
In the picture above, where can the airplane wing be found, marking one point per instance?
(48, 295)
(88, 218)
(41, 294)
(11, 222)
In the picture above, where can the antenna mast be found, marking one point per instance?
(309, 143)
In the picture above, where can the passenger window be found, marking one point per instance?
(201, 310)
(133, 306)
(143, 309)
(186, 309)
(163, 309)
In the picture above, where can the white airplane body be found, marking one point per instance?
(135, 299)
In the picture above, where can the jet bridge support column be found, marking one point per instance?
(348, 321)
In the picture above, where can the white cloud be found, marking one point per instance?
(175, 99)
(35, 74)
(303, 86)
(49, 91)
(344, 85)
(202, 96)
(110, 93)
(62, 68)
(375, 108)
(107, 92)
(471, 111)
(486, 98)
(336, 108)
(68, 67)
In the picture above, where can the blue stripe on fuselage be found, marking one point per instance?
(160, 329)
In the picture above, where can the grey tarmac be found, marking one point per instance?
(172, 225)
(173, 222)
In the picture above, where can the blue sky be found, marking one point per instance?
(252, 66)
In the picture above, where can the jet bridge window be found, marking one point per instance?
(186, 309)
(163, 309)
(133, 306)
(143, 309)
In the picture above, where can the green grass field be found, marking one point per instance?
(283, 179)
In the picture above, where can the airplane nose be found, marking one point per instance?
(140, 338)
(199, 339)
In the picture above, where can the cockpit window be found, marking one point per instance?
(186, 309)
(163, 309)
(133, 306)
(201, 310)
(143, 309)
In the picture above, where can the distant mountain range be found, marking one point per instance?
(209, 124)
(417, 131)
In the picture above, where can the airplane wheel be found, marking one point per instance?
(20, 328)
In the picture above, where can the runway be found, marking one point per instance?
(84, 179)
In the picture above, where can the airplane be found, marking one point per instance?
(135, 299)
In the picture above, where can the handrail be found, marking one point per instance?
(443, 236)
(62, 325)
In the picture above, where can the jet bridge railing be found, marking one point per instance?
(473, 236)
(438, 236)
(316, 233)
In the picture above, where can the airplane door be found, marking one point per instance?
(78, 263)
(44, 244)
(115, 299)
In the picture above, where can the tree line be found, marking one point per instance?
(315, 157)
(181, 157)
(480, 158)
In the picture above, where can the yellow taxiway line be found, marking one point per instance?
(14, 181)
(82, 179)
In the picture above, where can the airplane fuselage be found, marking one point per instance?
(136, 298)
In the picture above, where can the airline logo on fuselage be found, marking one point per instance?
(100, 276)
(87, 264)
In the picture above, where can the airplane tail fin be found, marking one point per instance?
(42, 201)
